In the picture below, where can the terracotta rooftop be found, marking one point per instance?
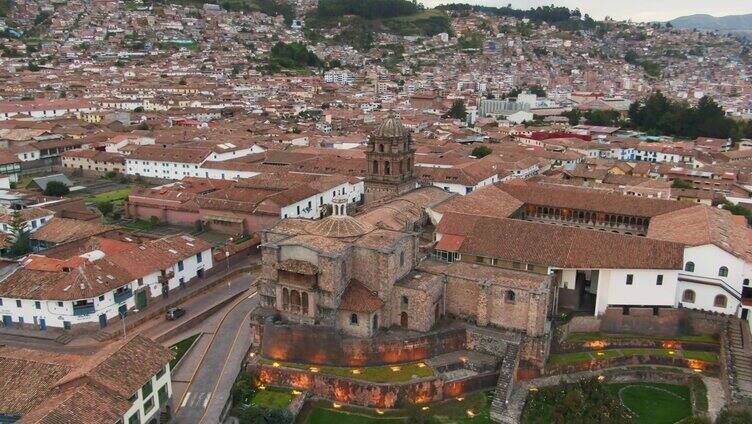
(359, 298)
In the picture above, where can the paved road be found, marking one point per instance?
(209, 388)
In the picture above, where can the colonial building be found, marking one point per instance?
(391, 159)
(125, 382)
(101, 283)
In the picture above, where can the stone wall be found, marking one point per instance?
(373, 395)
(667, 321)
(353, 392)
(322, 345)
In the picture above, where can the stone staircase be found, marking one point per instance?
(504, 385)
(739, 360)
(64, 338)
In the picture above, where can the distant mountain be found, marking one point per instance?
(708, 22)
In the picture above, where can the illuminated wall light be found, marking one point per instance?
(262, 387)
(295, 392)
(425, 408)
(355, 371)
(671, 352)
(336, 405)
(460, 399)
(421, 365)
(600, 353)
(395, 369)
(314, 369)
(253, 354)
(380, 412)
(601, 377)
(470, 413)
(275, 364)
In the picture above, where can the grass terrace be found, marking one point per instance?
(181, 348)
(589, 337)
(471, 409)
(378, 374)
(272, 397)
(115, 196)
(576, 357)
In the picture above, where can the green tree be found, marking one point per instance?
(458, 110)
(678, 183)
(105, 208)
(20, 234)
(56, 188)
(481, 151)
(735, 416)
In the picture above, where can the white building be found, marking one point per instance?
(33, 218)
(101, 285)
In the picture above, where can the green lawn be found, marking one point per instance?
(111, 196)
(654, 403)
(575, 357)
(451, 411)
(180, 348)
(380, 374)
(586, 337)
(272, 398)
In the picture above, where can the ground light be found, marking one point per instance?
(275, 364)
(336, 405)
(380, 412)
(314, 369)
(470, 413)
(355, 371)
(395, 369)
(425, 408)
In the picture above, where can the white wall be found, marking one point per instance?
(613, 289)
(157, 382)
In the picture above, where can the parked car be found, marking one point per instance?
(175, 313)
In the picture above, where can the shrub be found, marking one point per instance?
(56, 188)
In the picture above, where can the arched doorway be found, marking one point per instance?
(403, 319)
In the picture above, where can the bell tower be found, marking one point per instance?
(391, 161)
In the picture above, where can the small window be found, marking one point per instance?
(37, 305)
(688, 296)
(101, 298)
(720, 301)
(180, 265)
(354, 319)
(402, 258)
(60, 304)
(199, 258)
(723, 271)
(148, 405)
(630, 279)
(18, 303)
(405, 301)
(146, 389)
(689, 267)
(659, 280)
(510, 296)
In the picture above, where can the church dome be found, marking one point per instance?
(339, 227)
(391, 128)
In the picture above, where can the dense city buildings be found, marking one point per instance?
(268, 211)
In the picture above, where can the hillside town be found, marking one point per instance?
(273, 211)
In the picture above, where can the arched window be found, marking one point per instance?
(720, 301)
(295, 301)
(375, 167)
(405, 301)
(509, 296)
(381, 148)
(304, 302)
(689, 267)
(354, 319)
(387, 168)
(723, 271)
(688, 296)
(285, 298)
(376, 322)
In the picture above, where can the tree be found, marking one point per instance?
(105, 208)
(481, 151)
(21, 235)
(458, 110)
(736, 416)
(678, 183)
(56, 188)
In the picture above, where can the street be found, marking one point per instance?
(209, 387)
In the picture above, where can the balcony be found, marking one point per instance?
(83, 310)
(123, 295)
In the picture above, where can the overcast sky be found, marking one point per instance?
(637, 10)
